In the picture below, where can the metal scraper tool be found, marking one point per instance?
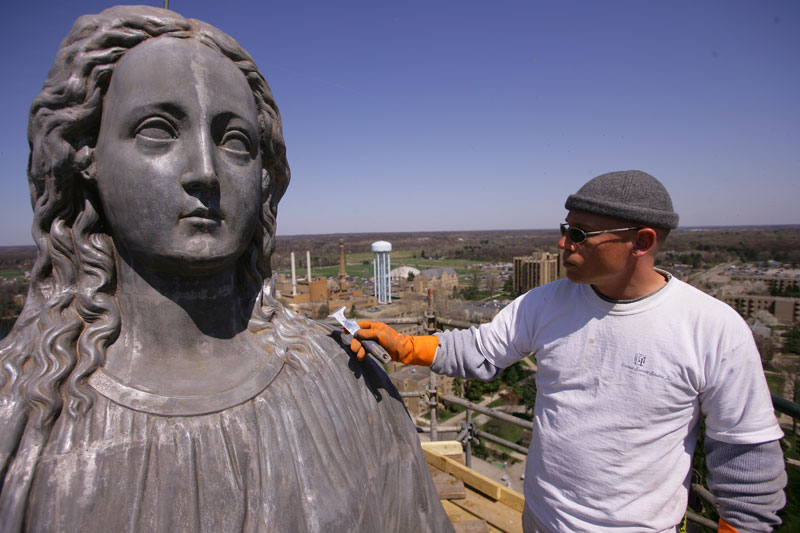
(352, 327)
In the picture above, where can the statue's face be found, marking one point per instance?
(178, 166)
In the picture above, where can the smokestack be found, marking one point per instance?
(342, 272)
(294, 278)
(308, 265)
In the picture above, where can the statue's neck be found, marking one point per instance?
(182, 336)
(209, 306)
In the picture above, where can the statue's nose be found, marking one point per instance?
(201, 172)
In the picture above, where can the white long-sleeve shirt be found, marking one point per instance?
(622, 387)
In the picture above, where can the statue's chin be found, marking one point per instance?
(196, 257)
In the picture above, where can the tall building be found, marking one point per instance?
(536, 269)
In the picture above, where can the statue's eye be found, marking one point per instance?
(236, 141)
(156, 129)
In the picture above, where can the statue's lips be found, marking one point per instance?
(202, 214)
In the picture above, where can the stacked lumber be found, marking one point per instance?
(474, 502)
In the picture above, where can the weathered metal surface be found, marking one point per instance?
(152, 382)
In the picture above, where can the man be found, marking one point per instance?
(629, 361)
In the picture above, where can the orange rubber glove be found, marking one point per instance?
(403, 348)
(725, 527)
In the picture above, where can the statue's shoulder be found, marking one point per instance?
(315, 352)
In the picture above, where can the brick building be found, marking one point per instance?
(441, 280)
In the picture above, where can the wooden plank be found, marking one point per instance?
(447, 487)
(495, 513)
(505, 496)
(457, 458)
(444, 447)
(512, 498)
(474, 479)
(472, 526)
(470, 477)
(435, 460)
(456, 513)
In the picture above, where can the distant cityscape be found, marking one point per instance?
(766, 292)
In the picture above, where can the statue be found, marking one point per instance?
(152, 381)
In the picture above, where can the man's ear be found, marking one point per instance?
(644, 242)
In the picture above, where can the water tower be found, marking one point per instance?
(381, 266)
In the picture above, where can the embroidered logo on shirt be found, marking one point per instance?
(638, 366)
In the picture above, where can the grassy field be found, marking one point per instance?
(11, 274)
(776, 383)
(504, 430)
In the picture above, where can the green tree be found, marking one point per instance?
(469, 293)
(791, 341)
(513, 374)
(477, 389)
(410, 276)
(508, 286)
(458, 386)
(474, 390)
(527, 393)
(793, 291)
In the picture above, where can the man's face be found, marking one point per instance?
(602, 259)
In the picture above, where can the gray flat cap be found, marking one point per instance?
(630, 195)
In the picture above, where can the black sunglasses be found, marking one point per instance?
(577, 235)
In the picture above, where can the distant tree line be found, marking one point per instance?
(712, 246)
(720, 245)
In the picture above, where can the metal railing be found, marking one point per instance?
(787, 407)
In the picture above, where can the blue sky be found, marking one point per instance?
(428, 115)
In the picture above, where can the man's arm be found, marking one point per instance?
(453, 353)
(747, 481)
(458, 355)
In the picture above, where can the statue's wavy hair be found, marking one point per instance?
(71, 314)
